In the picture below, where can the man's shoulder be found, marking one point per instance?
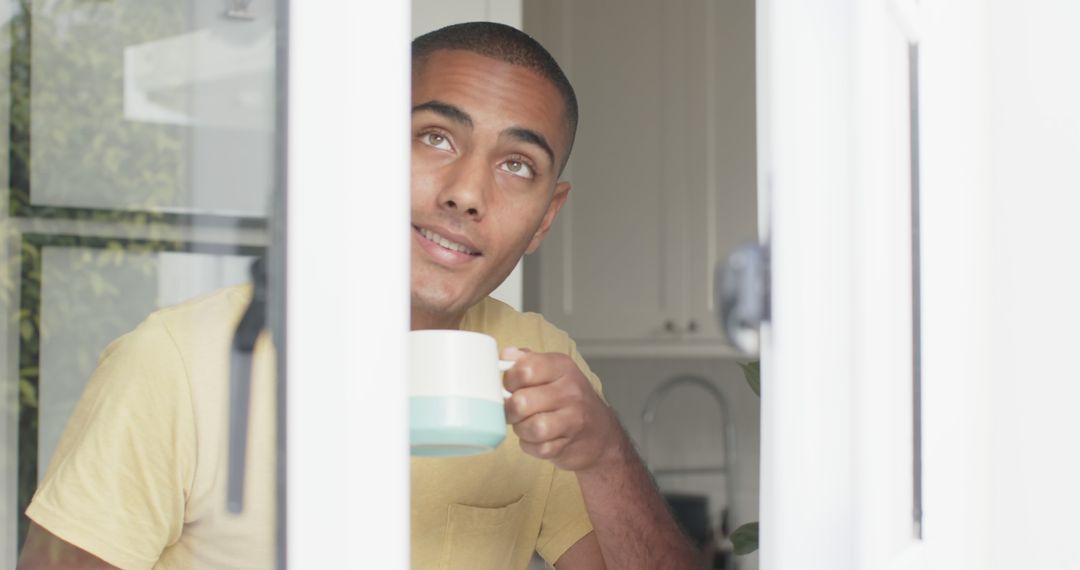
(231, 298)
(202, 322)
(512, 327)
(221, 308)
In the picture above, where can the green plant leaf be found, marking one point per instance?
(752, 373)
(26, 331)
(28, 394)
(745, 538)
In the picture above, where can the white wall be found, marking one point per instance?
(428, 15)
(1002, 187)
(955, 298)
(1034, 216)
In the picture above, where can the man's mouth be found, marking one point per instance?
(442, 241)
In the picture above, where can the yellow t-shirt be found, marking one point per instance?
(139, 476)
(492, 511)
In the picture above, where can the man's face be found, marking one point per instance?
(488, 138)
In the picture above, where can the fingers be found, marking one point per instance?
(534, 369)
(547, 449)
(555, 412)
(563, 423)
(531, 400)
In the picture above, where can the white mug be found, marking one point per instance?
(455, 393)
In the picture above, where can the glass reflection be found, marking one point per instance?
(139, 159)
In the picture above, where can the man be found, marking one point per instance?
(493, 122)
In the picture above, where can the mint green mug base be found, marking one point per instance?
(451, 426)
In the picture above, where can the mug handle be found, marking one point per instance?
(505, 365)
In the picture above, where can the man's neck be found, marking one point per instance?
(421, 320)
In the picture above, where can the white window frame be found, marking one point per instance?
(837, 457)
(347, 284)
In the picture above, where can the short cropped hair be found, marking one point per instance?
(504, 43)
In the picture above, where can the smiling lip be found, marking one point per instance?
(445, 247)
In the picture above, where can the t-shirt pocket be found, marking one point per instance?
(482, 538)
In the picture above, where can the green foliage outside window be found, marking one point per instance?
(69, 113)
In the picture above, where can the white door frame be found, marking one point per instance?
(347, 284)
(835, 183)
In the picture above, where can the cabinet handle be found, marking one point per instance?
(669, 326)
(692, 326)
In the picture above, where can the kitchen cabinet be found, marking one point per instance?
(663, 170)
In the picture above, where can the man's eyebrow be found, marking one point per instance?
(532, 137)
(446, 110)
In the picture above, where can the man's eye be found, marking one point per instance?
(436, 140)
(518, 168)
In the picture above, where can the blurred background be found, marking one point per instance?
(908, 170)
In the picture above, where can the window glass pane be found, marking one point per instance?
(137, 140)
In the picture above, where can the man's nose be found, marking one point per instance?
(466, 190)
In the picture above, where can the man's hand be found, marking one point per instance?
(557, 414)
(559, 417)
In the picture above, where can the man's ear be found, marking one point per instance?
(562, 189)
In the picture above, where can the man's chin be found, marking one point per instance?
(439, 311)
